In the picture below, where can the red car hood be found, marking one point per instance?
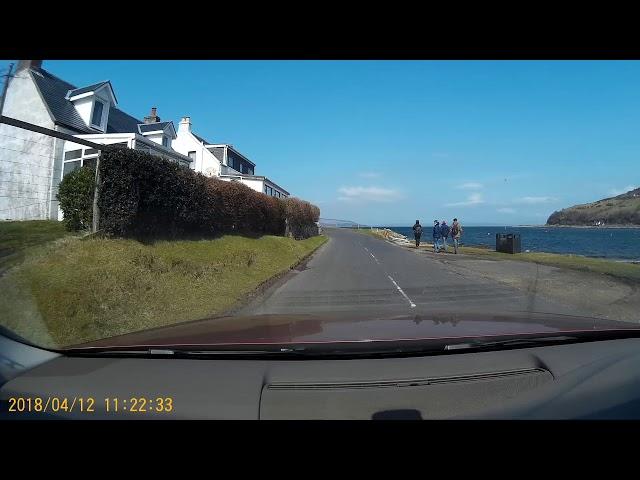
(336, 328)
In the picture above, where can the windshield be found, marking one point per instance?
(276, 203)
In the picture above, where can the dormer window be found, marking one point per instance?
(96, 116)
(92, 104)
(159, 132)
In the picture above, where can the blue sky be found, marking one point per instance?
(491, 142)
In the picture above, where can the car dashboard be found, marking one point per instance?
(593, 380)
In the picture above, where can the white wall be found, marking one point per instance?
(205, 162)
(255, 184)
(26, 158)
(84, 106)
(156, 138)
(106, 139)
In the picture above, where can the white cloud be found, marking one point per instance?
(506, 210)
(371, 194)
(369, 175)
(470, 186)
(620, 191)
(473, 199)
(536, 200)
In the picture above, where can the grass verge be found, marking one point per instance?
(17, 237)
(76, 291)
(366, 231)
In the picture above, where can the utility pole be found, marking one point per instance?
(5, 86)
(96, 210)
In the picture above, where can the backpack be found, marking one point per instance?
(455, 229)
(418, 229)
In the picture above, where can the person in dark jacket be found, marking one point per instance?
(417, 232)
(444, 230)
(437, 234)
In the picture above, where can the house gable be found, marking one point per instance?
(24, 102)
(53, 92)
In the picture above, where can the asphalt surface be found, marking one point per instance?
(354, 272)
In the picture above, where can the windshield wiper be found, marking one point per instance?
(514, 342)
(182, 353)
(371, 349)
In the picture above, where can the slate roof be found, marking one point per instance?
(201, 139)
(152, 127)
(89, 88)
(54, 91)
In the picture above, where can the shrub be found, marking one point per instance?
(145, 196)
(75, 194)
(301, 218)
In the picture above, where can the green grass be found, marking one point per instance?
(75, 291)
(366, 231)
(17, 237)
(621, 270)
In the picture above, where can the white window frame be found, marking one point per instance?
(93, 107)
(81, 158)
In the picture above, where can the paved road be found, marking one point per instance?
(356, 272)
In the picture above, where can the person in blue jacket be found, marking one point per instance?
(437, 234)
(445, 230)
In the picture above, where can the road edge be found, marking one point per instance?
(262, 290)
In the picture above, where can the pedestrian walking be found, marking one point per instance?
(437, 234)
(456, 233)
(417, 232)
(444, 230)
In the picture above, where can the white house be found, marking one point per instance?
(33, 164)
(222, 161)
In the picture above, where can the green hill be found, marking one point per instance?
(620, 210)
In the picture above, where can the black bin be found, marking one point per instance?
(508, 243)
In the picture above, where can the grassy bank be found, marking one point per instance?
(80, 290)
(366, 231)
(17, 237)
(621, 270)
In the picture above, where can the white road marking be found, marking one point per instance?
(400, 290)
(413, 305)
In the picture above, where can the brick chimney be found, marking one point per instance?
(26, 64)
(153, 118)
(185, 124)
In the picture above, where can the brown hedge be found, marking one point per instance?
(146, 196)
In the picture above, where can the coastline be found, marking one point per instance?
(604, 227)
